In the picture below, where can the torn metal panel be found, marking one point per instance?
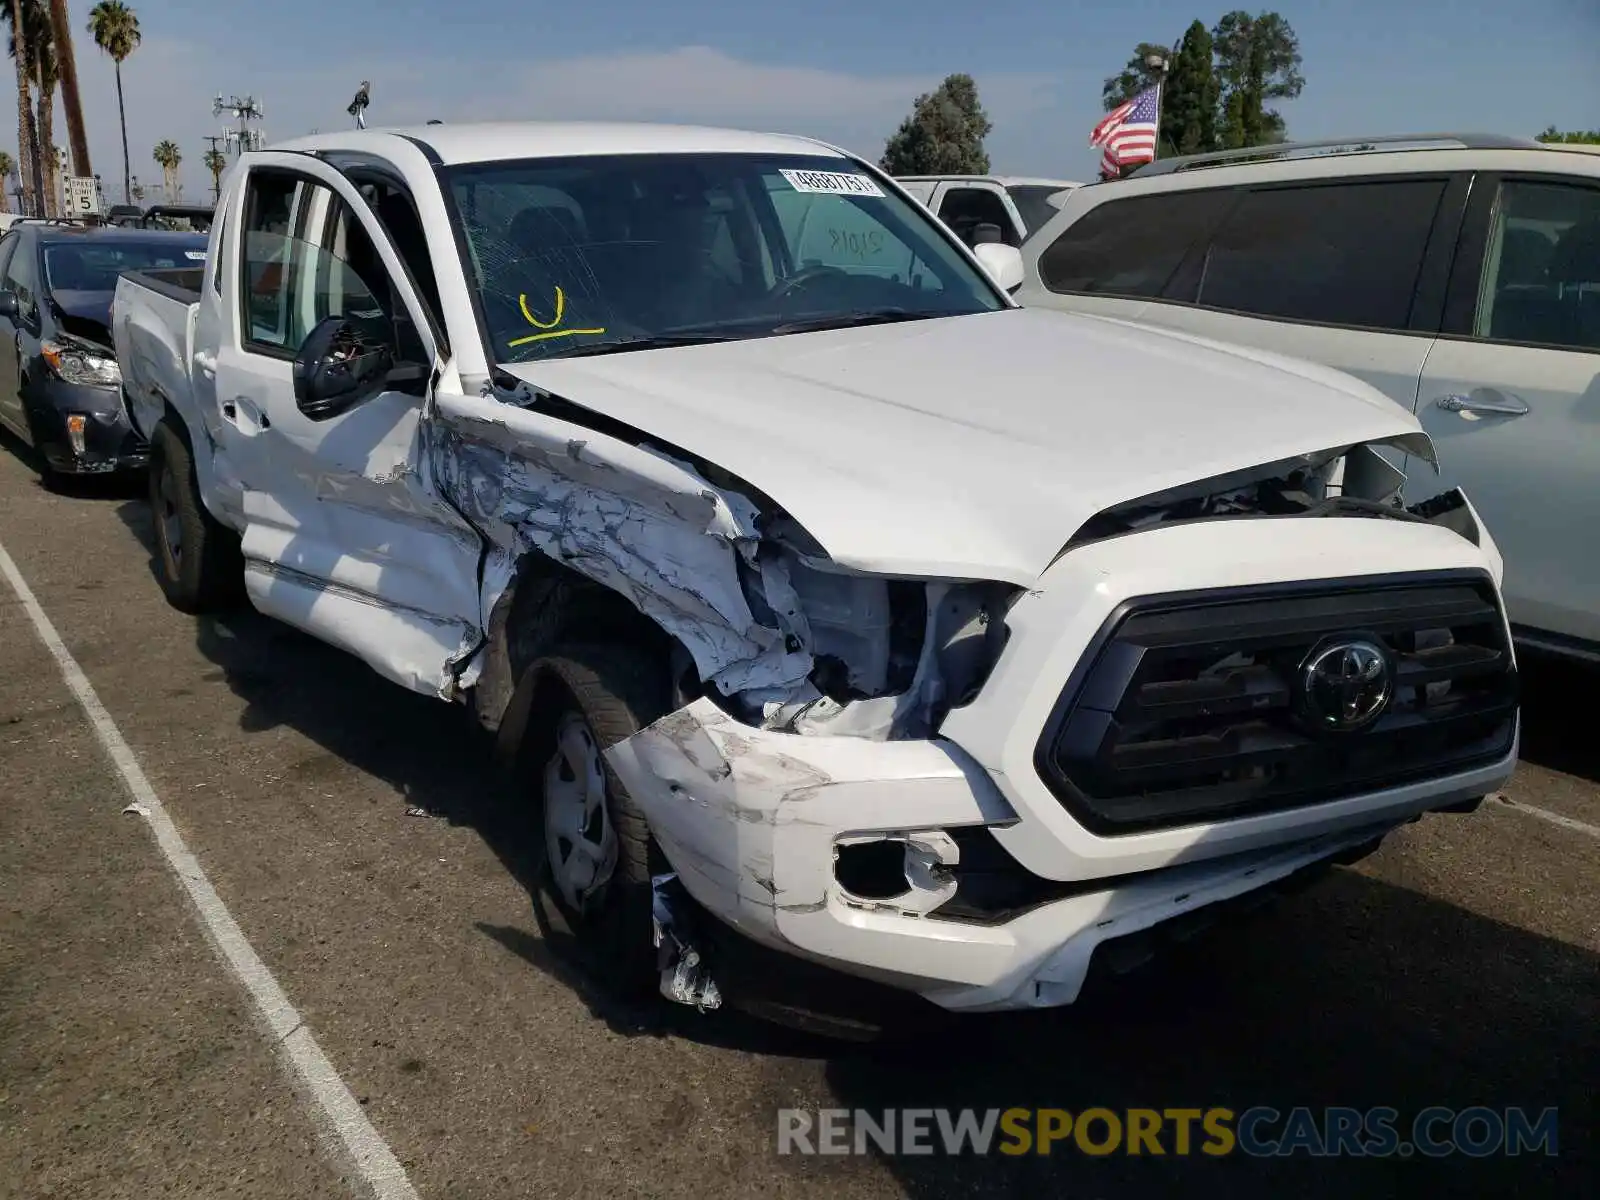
(685, 977)
(638, 522)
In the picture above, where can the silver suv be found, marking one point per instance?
(1460, 275)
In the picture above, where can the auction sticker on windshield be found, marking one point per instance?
(830, 183)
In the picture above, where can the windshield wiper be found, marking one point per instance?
(871, 316)
(659, 341)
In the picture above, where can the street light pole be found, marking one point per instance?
(1160, 64)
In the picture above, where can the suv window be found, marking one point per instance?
(1131, 247)
(965, 208)
(1033, 204)
(1541, 272)
(1340, 254)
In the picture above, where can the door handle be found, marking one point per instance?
(1485, 402)
(253, 419)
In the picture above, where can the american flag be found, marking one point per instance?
(1128, 134)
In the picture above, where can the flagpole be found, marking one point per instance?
(1162, 64)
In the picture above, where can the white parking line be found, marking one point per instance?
(1544, 814)
(374, 1161)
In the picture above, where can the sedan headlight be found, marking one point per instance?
(78, 364)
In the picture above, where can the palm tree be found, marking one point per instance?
(116, 31)
(39, 39)
(7, 165)
(29, 160)
(168, 156)
(216, 162)
(67, 65)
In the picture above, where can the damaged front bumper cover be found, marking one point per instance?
(752, 821)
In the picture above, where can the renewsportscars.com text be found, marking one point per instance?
(1215, 1132)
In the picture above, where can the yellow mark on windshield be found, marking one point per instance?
(552, 328)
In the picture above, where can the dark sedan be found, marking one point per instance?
(60, 390)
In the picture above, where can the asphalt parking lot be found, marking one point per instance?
(356, 835)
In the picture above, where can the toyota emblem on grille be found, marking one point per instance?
(1346, 685)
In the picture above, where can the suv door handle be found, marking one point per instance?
(1485, 401)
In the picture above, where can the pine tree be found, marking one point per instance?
(943, 135)
(1190, 99)
(1258, 60)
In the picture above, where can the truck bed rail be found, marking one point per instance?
(183, 284)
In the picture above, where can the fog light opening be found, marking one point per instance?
(76, 423)
(913, 873)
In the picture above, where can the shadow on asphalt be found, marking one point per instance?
(1558, 725)
(1354, 993)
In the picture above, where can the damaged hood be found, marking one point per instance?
(974, 446)
(87, 313)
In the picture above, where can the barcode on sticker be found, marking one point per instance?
(830, 183)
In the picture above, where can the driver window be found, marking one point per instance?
(326, 267)
(348, 261)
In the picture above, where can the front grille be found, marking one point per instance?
(1193, 708)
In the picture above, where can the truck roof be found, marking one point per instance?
(498, 140)
(1002, 180)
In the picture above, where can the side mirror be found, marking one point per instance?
(1002, 262)
(9, 306)
(987, 233)
(338, 368)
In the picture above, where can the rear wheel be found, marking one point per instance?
(197, 559)
(595, 846)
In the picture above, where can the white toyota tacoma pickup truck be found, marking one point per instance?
(824, 601)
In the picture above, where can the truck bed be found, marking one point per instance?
(183, 284)
(152, 328)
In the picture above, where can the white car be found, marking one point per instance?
(824, 601)
(1015, 205)
(1460, 276)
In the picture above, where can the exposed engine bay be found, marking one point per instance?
(783, 638)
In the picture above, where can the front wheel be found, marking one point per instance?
(197, 559)
(597, 856)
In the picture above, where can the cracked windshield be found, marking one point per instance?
(582, 255)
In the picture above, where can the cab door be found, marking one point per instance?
(1511, 393)
(343, 534)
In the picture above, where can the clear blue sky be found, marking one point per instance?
(844, 70)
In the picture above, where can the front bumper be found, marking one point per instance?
(758, 823)
(109, 441)
(752, 821)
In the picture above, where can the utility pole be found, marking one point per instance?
(244, 111)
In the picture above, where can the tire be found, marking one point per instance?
(204, 571)
(605, 694)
